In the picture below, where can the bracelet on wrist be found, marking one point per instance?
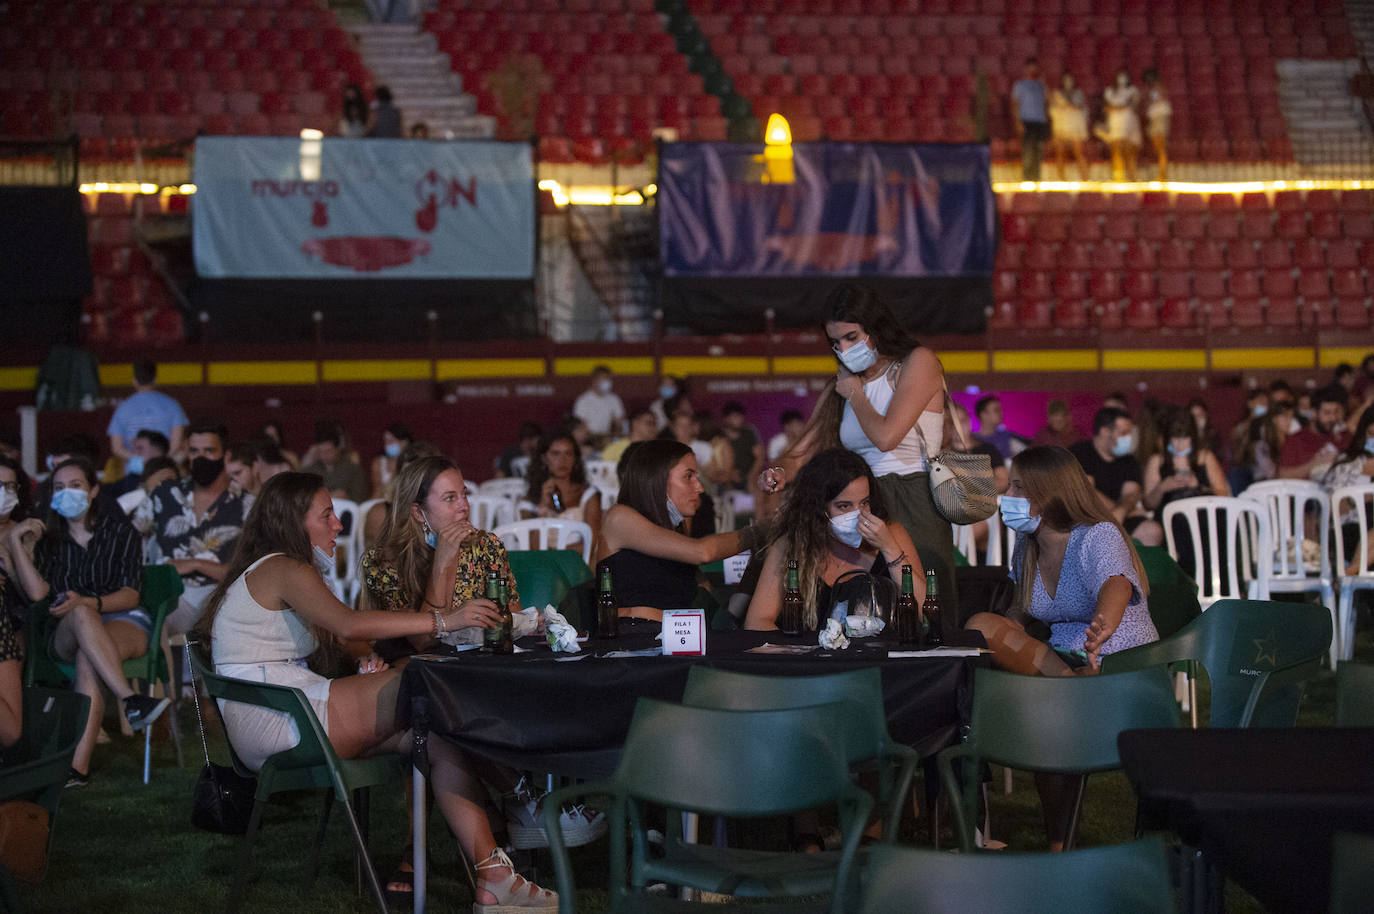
(897, 559)
(99, 604)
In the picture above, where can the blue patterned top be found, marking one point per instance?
(1095, 553)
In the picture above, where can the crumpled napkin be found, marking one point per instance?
(525, 622)
(562, 636)
(863, 626)
(832, 637)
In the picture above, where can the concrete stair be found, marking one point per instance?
(422, 81)
(1325, 122)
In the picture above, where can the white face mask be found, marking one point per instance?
(845, 528)
(324, 562)
(1294, 426)
(603, 386)
(858, 358)
(1123, 446)
(8, 501)
(674, 515)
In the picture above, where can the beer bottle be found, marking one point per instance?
(908, 613)
(607, 607)
(790, 618)
(935, 634)
(505, 639)
(491, 636)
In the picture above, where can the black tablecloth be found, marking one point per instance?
(1260, 803)
(537, 711)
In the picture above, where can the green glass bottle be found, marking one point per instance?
(908, 613)
(790, 618)
(930, 609)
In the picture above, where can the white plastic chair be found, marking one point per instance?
(487, 512)
(1001, 539)
(608, 496)
(364, 510)
(1344, 499)
(553, 532)
(347, 552)
(511, 489)
(964, 542)
(1244, 524)
(1288, 502)
(469, 488)
(601, 473)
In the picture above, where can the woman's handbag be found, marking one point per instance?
(223, 798)
(961, 484)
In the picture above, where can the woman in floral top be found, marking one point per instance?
(429, 556)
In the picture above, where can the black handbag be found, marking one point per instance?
(222, 801)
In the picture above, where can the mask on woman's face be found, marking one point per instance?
(667, 391)
(1259, 410)
(8, 502)
(431, 538)
(1294, 426)
(393, 450)
(70, 503)
(674, 515)
(845, 528)
(858, 358)
(1187, 449)
(1016, 515)
(1368, 449)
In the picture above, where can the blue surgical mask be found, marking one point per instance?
(134, 466)
(674, 515)
(1259, 410)
(667, 391)
(431, 538)
(393, 451)
(858, 358)
(70, 502)
(324, 562)
(1369, 446)
(1183, 453)
(845, 528)
(1123, 445)
(1016, 515)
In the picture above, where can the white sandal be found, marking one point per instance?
(515, 894)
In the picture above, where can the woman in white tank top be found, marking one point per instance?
(273, 608)
(886, 404)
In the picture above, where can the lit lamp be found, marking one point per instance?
(777, 151)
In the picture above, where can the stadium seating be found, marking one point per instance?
(1226, 271)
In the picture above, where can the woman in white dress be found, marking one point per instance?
(1123, 126)
(1069, 124)
(1158, 114)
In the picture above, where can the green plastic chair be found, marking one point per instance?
(311, 764)
(1258, 654)
(544, 576)
(1122, 878)
(1058, 725)
(161, 590)
(36, 767)
(1354, 694)
(722, 763)
(865, 734)
(1173, 599)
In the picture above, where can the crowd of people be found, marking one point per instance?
(250, 527)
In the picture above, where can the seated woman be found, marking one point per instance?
(273, 611)
(653, 564)
(833, 521)
(90, 560)
(14, 507)
(1078, 578)
(558, 485)
(396, 437)
(1183, 469)
(375, 517)
(1354, 466)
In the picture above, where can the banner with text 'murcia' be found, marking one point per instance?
(841, 209)
(279, 208)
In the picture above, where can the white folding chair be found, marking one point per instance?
(487, 512)
(608, 496)
(347, 552)
(1244, 526)
(511, 489)
(470, 488)
(1345, 500)
(964, 542)
(553, 532)
(1288, 502)
(601, 473)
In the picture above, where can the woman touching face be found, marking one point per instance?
(321, 524)
(684, 485)
(560, 459)
(447, 503)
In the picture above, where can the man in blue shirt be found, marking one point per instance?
(146, 409)
(1032, 119)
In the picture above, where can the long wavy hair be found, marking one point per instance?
(1355, 449)
(275, 524)
(55, 525)
(401, 542)
(538, 472)
(643, 471)
(1182, 425)
(803, 524)
(23, 486)
(854, 303)
(1052, 478)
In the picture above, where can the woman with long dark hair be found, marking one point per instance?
(15, 499)
(90, 561)
(273, 611)
(1183, 467)
(1354, 466)
(353, 121)
(558, 482)
(886, 404)
(832, 522)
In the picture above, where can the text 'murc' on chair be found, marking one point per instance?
(161, 590)
(311, 764)
(1258, 655)
(743, 764)
(1053, 725)
(36, 768)
(1121, 879)
(865, 735)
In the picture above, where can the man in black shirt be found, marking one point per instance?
(1107, 458)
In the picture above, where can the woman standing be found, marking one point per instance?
(1123, 126)
(273, 603)
(1158, 114)
(91, 562)
(353, 122)
(833, 522)
(886, 404)
(1069, 124)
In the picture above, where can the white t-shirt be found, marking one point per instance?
(603, 413)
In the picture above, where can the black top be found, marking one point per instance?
(823, 589)
(112, 559)
(1108, 476)
(645, 580)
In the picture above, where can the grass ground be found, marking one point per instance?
(122, 846)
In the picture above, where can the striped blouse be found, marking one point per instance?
(112, 559)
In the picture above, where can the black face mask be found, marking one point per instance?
(205, 471)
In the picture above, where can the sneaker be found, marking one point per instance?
(579, 824)
(77, 779)
(142, 710)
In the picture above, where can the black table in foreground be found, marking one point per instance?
(1262, 804)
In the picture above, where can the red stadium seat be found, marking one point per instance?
(1175, 283)
(1327, 226)
(1015, 228)
(1246, 313)
(1010, 256)
(1206, 255)
(1243, 284)
(1003, 316)
(1105, 287)
(1278, 284)
(1084, 226)
(1348, 282)
(1292, 225)
(1109, 315)
(1119, 226)
(1041, 255)
(1190, 226)
(1141, 314)
(1209, 284)
(1078, 256)
(1351, 314)
(1314, 284)
(1140, 255)
(1070, 285)
(1035, 285)
(1154, 226)
(1357, 225)
(1004, 285)
(1308, 254)
(1034, 315)
(1282, 312)
(1342, 254)
(1175, 256)
(1222, 226)
(1214, 313)
(1139, 285)
(1256, 225)
(1177, 314)
(1073, 314)
(1275, 255)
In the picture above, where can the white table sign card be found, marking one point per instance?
(684, 632)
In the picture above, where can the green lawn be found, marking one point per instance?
(121, 846)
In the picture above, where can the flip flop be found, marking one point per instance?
(400, 885)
